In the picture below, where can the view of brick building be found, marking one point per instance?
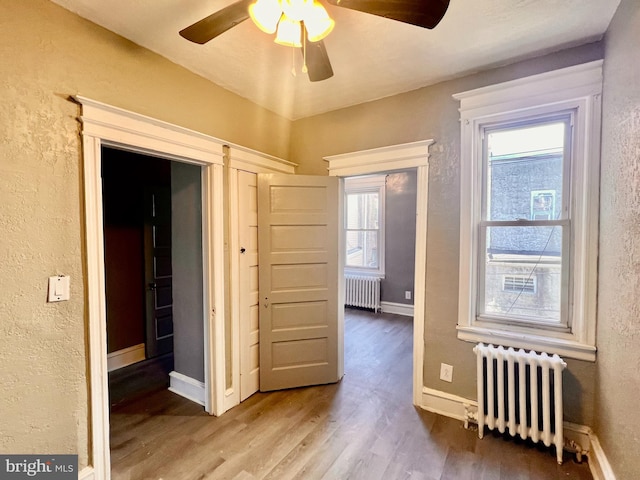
(524, 262)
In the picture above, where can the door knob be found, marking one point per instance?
(242, 250)
(153, 286)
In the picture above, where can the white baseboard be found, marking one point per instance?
(598, 462)
(446, 404)
(231, 399)
(87, 473)
(584, 436)
(126, 356)
(187, 387)
(453, 406)
(397, 308)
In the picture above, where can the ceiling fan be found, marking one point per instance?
(304, 23)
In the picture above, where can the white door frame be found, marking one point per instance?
(104, 125)
(241, 158)
(399, 157)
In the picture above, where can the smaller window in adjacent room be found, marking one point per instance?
(364, 224)
(529, 212)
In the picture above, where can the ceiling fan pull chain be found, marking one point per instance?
(293, 62)
(304, 49)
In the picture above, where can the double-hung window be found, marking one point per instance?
(525, 224)
(529, 209)
(364, 225)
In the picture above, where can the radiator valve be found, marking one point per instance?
(470, 416)
(572, 447)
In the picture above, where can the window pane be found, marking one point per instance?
(524, 172)
(523, 273)
(362, 249)
(362, 210)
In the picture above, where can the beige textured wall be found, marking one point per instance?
(47, 54)
(617, 412)
(431, 113)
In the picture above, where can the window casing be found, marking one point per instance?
(364, 225)
(529, 206)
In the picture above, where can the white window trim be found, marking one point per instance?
(374, 183)
(578, 88)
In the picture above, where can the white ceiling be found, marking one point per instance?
(372, 57)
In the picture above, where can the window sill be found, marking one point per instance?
(364, 273)
(565, 347)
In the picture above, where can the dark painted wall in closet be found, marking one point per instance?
(187, 261)
(400, 234)
(124, 177)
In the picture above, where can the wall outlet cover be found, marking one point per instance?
(446, 372)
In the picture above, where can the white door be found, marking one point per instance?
(299, 279)
(248, 279)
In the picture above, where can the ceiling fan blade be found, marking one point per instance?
(422, 13)
(210, 27)
(318, 64)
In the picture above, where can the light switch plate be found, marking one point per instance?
(58, 288)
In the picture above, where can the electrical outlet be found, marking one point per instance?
(407, 295)
(446, 372)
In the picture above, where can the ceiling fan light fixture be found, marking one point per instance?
(312, 16)
(318, 23)
(296, 9)
(265, 14)
(289, 32)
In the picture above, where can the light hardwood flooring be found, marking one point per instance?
(364, 427)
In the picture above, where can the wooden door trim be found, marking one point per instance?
(396, 157)
(241, 158)
(110, 126)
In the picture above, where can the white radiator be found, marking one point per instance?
(362, 292)
(522, 392)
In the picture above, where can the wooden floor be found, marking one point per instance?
(365, 427)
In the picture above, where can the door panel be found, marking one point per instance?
(300, 353)
(248, 277)
(298, 249)
(158, 273)
(298, 315)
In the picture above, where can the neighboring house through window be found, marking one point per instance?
(521, 234)
(529, 205)
(364, 225)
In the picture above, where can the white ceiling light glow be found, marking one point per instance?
(289, 17)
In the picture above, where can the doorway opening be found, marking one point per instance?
(153, 275)
(413, 155)
(105, 125)
(380, 237)
(379, 232)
